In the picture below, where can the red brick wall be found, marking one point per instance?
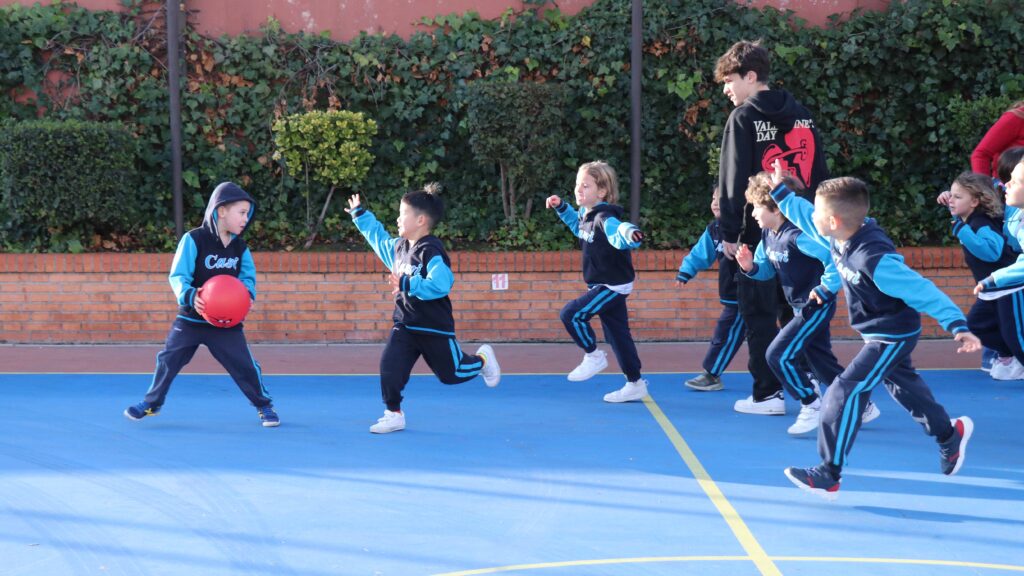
(344, 297)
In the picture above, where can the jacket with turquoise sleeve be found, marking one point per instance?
(1010, 278)
(985, 248)
(802, 265)
(883, 294)
(703, 255)
(422, 303)
(201, 254)
(606, 242)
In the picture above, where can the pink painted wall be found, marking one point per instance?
(345, 19)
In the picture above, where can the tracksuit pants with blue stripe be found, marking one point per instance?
(997, 323)
(610, 307)
(442, 353)
(226, 345)
(849, 393)
(729, 333)
(805, 343)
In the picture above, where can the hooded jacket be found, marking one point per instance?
(769, 125)
(606, 241)
(201, 255)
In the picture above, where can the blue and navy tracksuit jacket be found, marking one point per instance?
(605, 241)
(801, 264)
(883, 294)
(985, 248)
(422, 304)
(201, 254)
(704, 253)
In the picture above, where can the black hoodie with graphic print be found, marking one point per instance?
(768, 125)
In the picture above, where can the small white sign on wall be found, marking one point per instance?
(499, 281)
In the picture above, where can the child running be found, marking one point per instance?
(810, 284)
(213, 249)
(421, 278)
(977, 222)
(729, 329)
(883, 297)
(606, 241)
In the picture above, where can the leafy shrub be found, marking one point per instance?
(332, 147)
(64, 183)
(519, 126)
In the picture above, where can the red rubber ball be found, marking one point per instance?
(227, 301)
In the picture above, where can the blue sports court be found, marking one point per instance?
(535, 477)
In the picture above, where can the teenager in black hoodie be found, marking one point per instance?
(767, 125)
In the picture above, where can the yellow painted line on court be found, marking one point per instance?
(739, 528)
(674, 559)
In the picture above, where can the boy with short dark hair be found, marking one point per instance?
(421, 278)
(767, 124)
(883, 298)
(213, 249)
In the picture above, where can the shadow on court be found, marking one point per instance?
(537, 476)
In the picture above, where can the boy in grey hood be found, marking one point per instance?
(213, 249)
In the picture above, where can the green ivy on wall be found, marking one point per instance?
(890, 91)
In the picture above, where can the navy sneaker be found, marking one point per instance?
(141, 410)
(988, 356)
(953, 451)
(818, 480)
(268, 416)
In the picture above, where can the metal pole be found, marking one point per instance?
(174, 91)
(636, 110)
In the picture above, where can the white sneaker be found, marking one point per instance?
(389, 422)
(491, 371)
(1008, 368)
(592, 363)
(631, 391)
(870, 413)
(807, 419)
(771, 406)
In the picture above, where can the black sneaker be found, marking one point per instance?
(706, 382)
(818, 480)
(141, 410)
(953, 451)
(268, 416)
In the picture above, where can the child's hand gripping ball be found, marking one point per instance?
(226, 301)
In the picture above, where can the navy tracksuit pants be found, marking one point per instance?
(849, 393)
(997, 323)
(610, 307)
(442, 353)
(226, 345)
(725, 341)
(805, 343)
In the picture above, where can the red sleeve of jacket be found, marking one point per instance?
(1007, 132)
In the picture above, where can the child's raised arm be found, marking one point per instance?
(371, 229)
(568, 215)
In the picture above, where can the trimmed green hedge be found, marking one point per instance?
(892, 93)
(71, 183)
